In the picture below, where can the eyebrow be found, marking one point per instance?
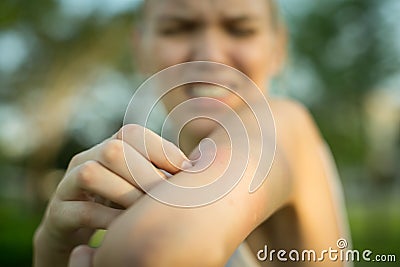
(184, 18)
(175, 18)
(241, 18)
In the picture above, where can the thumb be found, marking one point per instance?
(81, 256)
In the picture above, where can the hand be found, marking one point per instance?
(100, 172)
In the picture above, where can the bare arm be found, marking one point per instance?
(155, 234)
(315, 218)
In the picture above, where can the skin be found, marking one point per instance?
(294, 208)
(75, 212)
(241, 36)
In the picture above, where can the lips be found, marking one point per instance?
(213, 91)
(208, 90)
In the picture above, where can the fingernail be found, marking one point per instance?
(186, 165)
(184, 156)
(167, 174)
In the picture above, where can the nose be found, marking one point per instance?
(209, 46)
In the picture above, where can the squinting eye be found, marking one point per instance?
(170, 31)
(241, 31)
(176, 30)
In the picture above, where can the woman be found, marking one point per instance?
(296, 207)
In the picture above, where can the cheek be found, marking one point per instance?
(173, 98)
(255, 59)
(165, 53)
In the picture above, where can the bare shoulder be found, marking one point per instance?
(312, 202)
(294, 122)
(290, 111)
(317, 198)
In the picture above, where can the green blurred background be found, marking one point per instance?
(67, 74)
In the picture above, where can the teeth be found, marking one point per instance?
(209, 91)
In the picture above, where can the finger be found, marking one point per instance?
(81, 256)
(91, 177)
(71, 215)
(162, 153)
(114, 155)
(88, 154)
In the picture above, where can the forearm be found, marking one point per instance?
(154, 234)
(151, 233)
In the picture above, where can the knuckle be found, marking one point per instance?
(85, 215)
(131, 129)
(75, 159)
(86, 173)
(52, 211)
(55, 213)
(112, 151)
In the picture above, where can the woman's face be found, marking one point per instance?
(238, 33)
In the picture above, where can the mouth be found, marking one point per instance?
(213, 91)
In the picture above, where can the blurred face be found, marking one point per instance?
(238, 33)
